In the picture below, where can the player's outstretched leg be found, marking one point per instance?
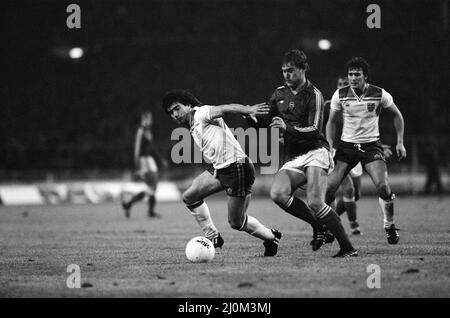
(300, 209)
(200, 212)
(316, 187)
(240, 221)
(329, 218)
(281, 194)
(128, 205)
(271, 237)
(202, 186)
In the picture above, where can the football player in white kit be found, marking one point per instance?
(232, 169)
(360, 105)
(350, 190)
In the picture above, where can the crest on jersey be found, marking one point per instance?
(346, 104)
(291, 105)
(371, 107)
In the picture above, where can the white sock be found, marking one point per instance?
(202, 216)
(388, 211)
(256, 229)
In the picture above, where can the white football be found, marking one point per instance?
(200, 250)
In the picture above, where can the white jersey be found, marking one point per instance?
(215, 139)
(361, 114)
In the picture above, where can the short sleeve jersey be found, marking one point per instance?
(215, 139)
(361, 113)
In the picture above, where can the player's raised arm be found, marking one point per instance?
(265, 120)
(252, 111)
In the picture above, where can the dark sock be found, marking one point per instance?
(301, 210)
(151, 205)
(350, 207)
(328, 217)
(136, 198)
(340, 207)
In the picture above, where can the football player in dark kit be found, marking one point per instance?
(296, 108)
(145, 156)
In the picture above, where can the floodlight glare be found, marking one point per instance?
(76, 53)
(324, 44)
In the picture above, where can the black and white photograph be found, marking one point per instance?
(225, 154)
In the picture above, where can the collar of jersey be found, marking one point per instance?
(306, 87)
(191, 120)
(360, 99)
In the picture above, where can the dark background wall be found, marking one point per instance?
(62, 114)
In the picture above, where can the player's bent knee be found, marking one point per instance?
(185, 198)
(188, 197)
(384, 191)
(236, 224)
(315, 204)
(279, 197)
(387, 194)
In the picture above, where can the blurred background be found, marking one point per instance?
(72, 114)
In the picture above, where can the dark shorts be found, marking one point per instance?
(353, 153)
(237, 179)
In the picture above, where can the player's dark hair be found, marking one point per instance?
(297, 58)
(358, 62)
(182, 96)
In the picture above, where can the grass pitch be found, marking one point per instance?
(143, 257)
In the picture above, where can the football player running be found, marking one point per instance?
(231, 170)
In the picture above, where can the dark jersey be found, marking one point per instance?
(303, 115)
(326, 115)
(147, 144)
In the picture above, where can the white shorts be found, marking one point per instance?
(147, 164)
(315, 158)
(357, 171)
